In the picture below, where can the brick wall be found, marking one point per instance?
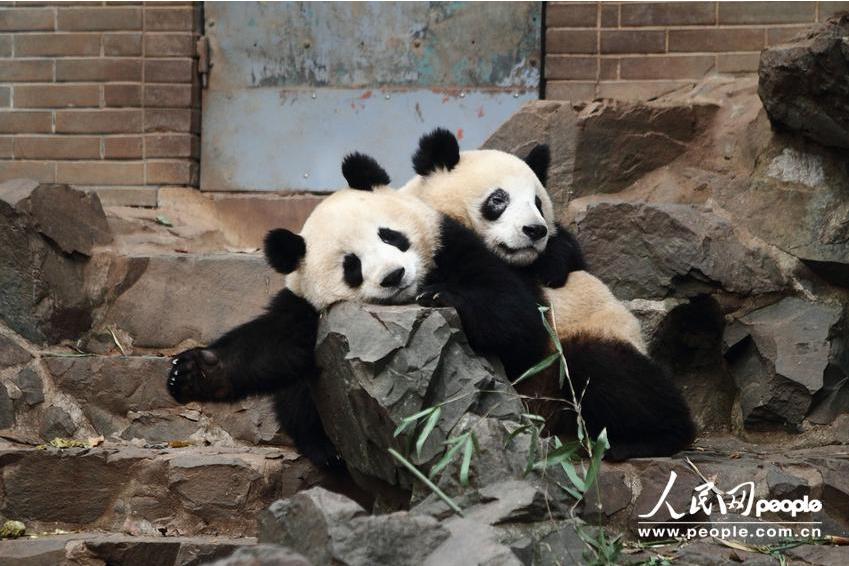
(643, 49)
(100, 95)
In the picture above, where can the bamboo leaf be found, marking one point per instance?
(449, 454)
(532, 450)
(599, 447)
(469, 448)
(428, 428)
(432, 486)
(407, 421)
(537, 368)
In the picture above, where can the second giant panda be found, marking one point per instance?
(371, 245)
(503, 199)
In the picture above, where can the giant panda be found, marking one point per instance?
(366, 243)
(503, 199)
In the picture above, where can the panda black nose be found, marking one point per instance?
(393, 279)
(535, 231)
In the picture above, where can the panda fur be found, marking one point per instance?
(372, 245)
(503, 199)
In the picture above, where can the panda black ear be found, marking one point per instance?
(437, 150)
(363, 173)
(538, 160)
(284, 250)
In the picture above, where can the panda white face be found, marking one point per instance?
(374, 247)
(509, 218)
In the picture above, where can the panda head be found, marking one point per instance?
(368, 245)
(496, 194)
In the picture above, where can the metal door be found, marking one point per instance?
(294, 86)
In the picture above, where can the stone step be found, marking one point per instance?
(122, 398)
(119, 550)
(148, 491)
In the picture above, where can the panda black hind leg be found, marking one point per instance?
(630, 395)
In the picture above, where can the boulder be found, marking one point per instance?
(600, 146)
(263, 555)
(382, 364)
(48, 232)
(644, 250)
(804, 84)
(780, 356)
(11, 354)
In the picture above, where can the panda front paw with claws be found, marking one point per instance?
(434, 297)
(197, 375)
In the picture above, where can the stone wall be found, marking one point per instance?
(100, 95)
(639, 50)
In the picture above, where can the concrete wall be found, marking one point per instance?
(100, 95)
(643, 49)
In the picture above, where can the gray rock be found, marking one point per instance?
(263, 555)
(601, 147)
(472, 543)
(328, 528)
(382, 364)
(11, 354)
(165, 300)
(779, 356)
(785, 486)
(7, 408)
(57, 423)
(29, 382)
(671, 250)
(804, 84)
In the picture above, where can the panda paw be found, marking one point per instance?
(196, 375)
(435, 298)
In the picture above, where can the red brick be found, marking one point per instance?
(41, 171)
(57, 96)
(609, 69)
(5, 96)
(57, 44)
(570, 41)
(710, 40)
(168, 120)
(170, 145)
(26, 19)
(98, 70)
(57, 147)
(675, 67)
(171, 172)
(774, 36)
(5, 45)
(126, 95)
(16, 71)
(169, 70)
(565, 67)
(100, 18)
(7, 144)
(98, 121)
(169, 19)
(26, 122)
(100, 173)
(668, 13)
(629, 41)
(568, 90)
(122, 44)
(168, 96)
(610, 15)
(169, 45)
(766, 12)
(571, 15)
(737, 62)
(123, 147)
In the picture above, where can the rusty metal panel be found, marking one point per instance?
(295, 85)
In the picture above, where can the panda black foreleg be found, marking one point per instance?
(561, 257)
(261, 356)
(497, 306)
(629, 395)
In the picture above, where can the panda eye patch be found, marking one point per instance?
(538, 203)
(495, 204)
(394, 238)
(353, 270)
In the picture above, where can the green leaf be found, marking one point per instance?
(599, 447)
(532, 450)
(428, 428)
(432, 486)
(515, 433)
(562, 453)
(532, 417)
(572, 474)
(537, 368)
(469, 448)
(407, 421)
(574, 494)
(446, 458)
